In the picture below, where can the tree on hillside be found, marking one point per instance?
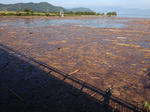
(18, 13)
(28, 11)
(111, 14)
(85, 13)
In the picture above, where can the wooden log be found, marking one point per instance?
(73, 72)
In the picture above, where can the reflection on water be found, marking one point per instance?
(28, 22)
(96, 23)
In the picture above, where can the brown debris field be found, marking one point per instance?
(104, 57)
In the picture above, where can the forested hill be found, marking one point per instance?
(80, 9)
(38, 7)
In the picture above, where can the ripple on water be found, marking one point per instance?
(95, 23)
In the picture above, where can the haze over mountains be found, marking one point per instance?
(38, 7)
(80, 9)
(125, 12)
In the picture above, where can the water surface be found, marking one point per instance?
(96, 23)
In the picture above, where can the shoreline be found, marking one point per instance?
(77, 17)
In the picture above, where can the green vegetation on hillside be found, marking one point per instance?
(111, 14)
(35, 7)
(21, 13)
(29, 12)
(44, 9)
(83, 13)
(39, 7)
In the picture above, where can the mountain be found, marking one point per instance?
(37, 7)
(80, 9)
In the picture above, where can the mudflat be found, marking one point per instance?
(107, 52)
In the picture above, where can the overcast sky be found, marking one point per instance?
(141, 4)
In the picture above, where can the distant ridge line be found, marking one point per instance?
(38, 7)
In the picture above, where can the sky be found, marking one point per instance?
(140, 4)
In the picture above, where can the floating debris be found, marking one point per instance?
(122, 37)
(73, 72)
(118, 55)
(147, 40)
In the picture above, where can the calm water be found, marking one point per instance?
(134, 15)
(96, 23)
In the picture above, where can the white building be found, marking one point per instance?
(61, 13)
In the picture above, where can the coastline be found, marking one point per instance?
(78, 17)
